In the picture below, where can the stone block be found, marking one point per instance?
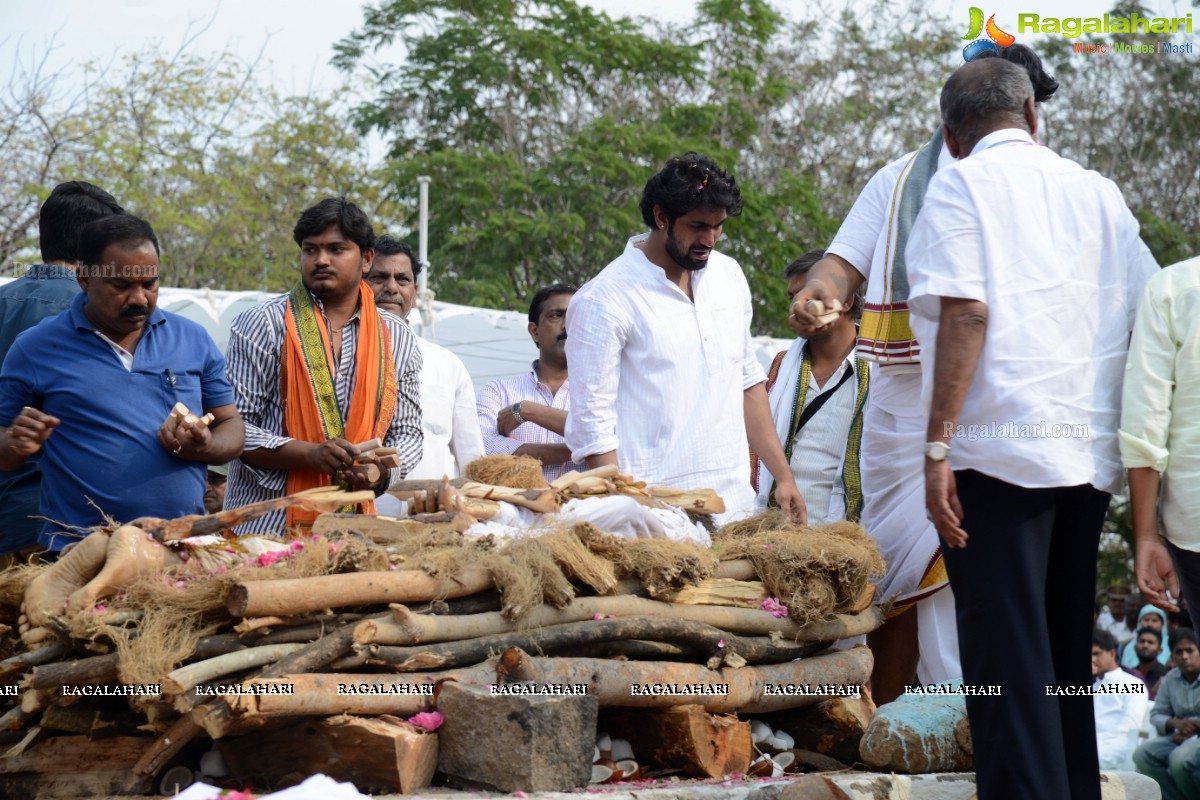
(516, 742)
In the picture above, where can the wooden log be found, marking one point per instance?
(165, 747)
(377, 754)
(34, 658)
(833, 727)
(313, 656)
(613, 681)
(687, 738)
(388, 530)
(94, 671)
(718, 647)
(187, 677)
(633, 649)
(15, 718)
(318, 694)
(408, 628)
(74, 766)
(302, 595)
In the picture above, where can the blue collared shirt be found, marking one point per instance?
(104, 459)
(45, 290)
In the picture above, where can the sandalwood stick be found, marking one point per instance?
(612, 681)
(720, 647)
(94, 671)
(184, 678)
(302, 595)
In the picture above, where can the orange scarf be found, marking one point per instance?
(310, 406)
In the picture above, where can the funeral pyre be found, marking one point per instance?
(507, 621)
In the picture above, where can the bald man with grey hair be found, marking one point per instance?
(1025, 270)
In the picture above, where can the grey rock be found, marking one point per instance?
(516, 742)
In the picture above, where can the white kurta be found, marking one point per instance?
(660, 378)
(448, 418)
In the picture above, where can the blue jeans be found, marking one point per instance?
(1176, 768)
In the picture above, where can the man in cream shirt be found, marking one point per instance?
(1160, 436)
(452, 437)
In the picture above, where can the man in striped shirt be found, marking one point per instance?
(524, 415)
(359, 366)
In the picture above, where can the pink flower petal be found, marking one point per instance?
(429, 720)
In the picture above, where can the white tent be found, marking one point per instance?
(491, 343)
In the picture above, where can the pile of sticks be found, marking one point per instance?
(319, 654)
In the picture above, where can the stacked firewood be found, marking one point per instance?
(321, 648)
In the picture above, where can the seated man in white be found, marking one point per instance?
(1119, 700)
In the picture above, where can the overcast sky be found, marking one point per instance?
(299, 34)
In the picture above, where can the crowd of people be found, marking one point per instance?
(964, 383)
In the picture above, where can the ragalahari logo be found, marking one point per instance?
(995, 41)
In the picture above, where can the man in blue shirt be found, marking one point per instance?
(45, 290)
(94, 387)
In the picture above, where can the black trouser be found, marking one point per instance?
(1023, 588)
(1187, 570)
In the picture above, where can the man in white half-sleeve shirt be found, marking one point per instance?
(452, 436)
(664, 379)
(1025, 270)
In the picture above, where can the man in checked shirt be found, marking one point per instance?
(318, 371)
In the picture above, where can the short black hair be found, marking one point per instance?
(123, 229)
(803, 264)
(1183, 635)
(349, 218)
(69, 207)
(386, 245)
(1104, 640)
(1044, 84)
(545, 293)
(1157, 634)
(688, 182)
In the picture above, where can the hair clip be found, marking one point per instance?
(700, 188)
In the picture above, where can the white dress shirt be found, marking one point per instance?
(502, 393)
(660, 378)
(1054, 253)
(1160, 412)
(1117, 713)
(448, 418)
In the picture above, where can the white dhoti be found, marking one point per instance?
(893, 482)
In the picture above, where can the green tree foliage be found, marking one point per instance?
(219, 164)
(540, 121)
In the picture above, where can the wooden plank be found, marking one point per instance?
(375, 753)
(74, 766)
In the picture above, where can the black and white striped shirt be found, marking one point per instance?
(255, 353)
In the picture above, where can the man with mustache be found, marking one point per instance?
(318, 371)
(524, 415)
(93, 387)
(452, 437)
(45, 290)
(666, 380)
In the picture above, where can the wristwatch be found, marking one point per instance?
(937, 451)
(516, 412)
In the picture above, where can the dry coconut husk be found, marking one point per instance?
(579, 563)
(517, 472)
(15, 580)
(815, 571)
(527, 576)
(660, 564)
